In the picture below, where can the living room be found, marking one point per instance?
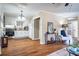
(29, 24)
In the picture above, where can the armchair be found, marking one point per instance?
(68, 40)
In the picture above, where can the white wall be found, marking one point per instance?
(73, 27)
(1, 28)
(11, 20)
(31, 26)
(1, 24)
(1, 20)
(31, 29)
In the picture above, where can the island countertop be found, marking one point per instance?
(21, 33)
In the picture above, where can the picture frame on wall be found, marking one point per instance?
(26, 28)
(50, 27)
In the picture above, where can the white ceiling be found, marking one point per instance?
(30, 9)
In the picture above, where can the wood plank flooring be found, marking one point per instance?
(26, 47)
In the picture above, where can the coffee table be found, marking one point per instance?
(74, 51)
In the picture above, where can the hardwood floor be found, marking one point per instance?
(26, 47)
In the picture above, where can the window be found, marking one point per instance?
(19, 25)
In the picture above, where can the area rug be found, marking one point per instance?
(61, 52)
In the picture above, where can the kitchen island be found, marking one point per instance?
(21, 34)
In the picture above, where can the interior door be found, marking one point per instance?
(36, 28)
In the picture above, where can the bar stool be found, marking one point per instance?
(4, 42)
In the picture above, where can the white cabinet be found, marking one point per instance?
(21, 34)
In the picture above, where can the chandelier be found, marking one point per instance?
(21, 16)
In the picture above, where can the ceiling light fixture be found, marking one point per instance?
(21, 16)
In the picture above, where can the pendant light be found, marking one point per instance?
(21, 16)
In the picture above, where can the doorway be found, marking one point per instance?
(73, 26)
(36, 28)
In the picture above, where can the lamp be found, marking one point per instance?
(21, 16)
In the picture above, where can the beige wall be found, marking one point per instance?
(48, 17)
(78, 24)
(44, 18)
(57, 20)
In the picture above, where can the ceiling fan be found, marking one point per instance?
(66, 4)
